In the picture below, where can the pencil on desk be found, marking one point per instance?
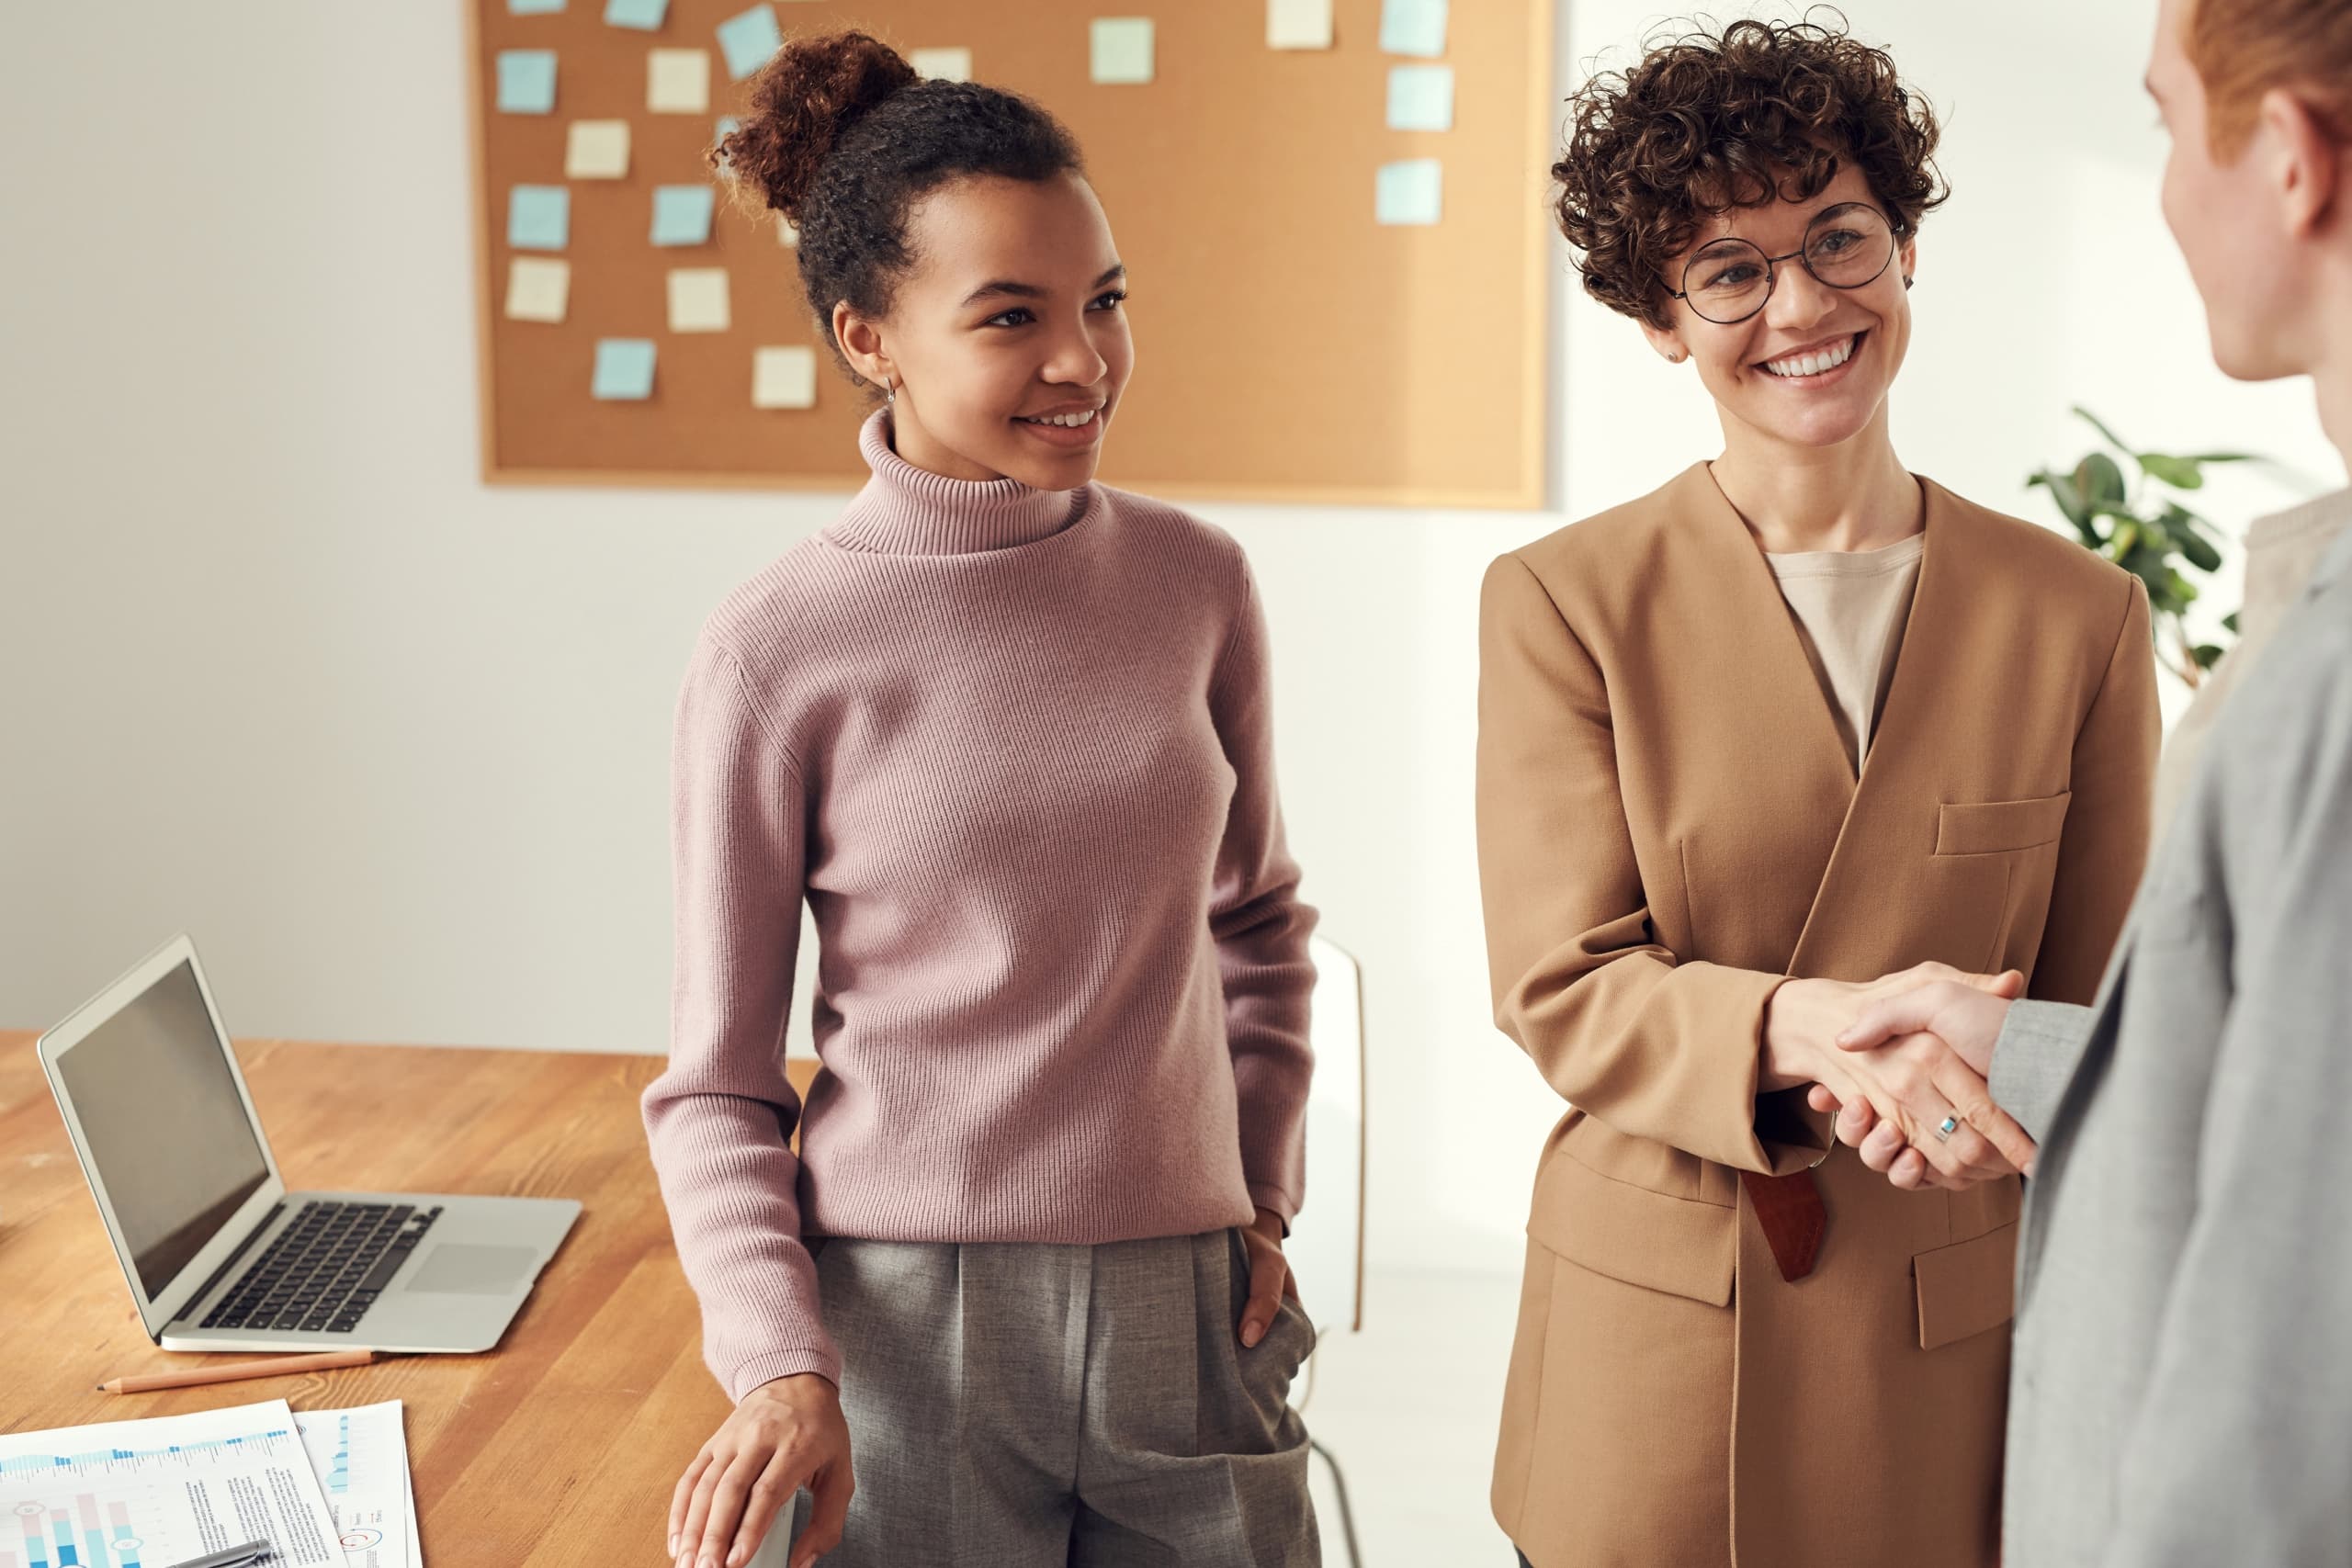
(276, 1367)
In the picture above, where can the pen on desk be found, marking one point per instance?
(275, 1367)
(233, 1557)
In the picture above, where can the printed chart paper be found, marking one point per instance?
(152, 1492)
(360, 1457)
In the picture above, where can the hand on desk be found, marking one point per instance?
(1929, 1041)
(784, 1436)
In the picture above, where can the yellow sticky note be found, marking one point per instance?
(677, 81)
(942, 65)
(698, 300)
(783, 378)
(538, 288)
(1299, 24)
(596, 150)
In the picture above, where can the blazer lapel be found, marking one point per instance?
(1932, 680)
(1741, 666)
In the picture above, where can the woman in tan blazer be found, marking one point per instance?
(1747, 745)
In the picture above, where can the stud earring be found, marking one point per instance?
(1906, 280)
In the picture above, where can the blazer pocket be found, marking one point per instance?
(1680, 1246)
(1994, 826)
(1966, 1287)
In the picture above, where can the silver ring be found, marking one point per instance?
(1946, 1128)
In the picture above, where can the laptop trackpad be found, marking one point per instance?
(464, 1268)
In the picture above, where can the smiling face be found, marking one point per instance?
(1812, 368)
(1006, 340)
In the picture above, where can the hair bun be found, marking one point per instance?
(803, 100)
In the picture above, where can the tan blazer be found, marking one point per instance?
(1667, 826)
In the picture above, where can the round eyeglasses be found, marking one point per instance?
(1846, 246)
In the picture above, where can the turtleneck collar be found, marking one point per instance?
(905, 511)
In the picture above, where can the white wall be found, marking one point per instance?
(280, 672)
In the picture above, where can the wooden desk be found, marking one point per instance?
(560, 1447)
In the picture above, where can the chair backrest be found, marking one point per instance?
(1326, 1245)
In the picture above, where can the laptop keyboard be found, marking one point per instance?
(325, 1268)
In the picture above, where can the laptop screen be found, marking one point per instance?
(165, 1125)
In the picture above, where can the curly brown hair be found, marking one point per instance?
(842, 137)
(1708, 121)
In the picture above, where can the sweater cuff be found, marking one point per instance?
(1266, 1195)
(821, 1359)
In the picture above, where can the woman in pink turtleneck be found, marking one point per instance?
(1007, 732)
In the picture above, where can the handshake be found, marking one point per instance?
(1901, 1066)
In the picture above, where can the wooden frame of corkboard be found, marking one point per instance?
(1289, 348)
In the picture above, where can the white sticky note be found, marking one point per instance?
(596, 150)
(942, 65)
(677, 81)
(783, 378)
(1122, 49)
(1299, 24)
(1410, 192)
(1413, 26)
(698, 300)
(1421, 97)
(538, 288)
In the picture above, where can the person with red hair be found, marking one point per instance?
(2181, 1381)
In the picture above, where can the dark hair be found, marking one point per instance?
(1708, 121)
(842, 138)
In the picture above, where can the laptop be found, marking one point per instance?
(218, 1255)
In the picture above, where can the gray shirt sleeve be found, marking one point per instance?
(2034, 1060)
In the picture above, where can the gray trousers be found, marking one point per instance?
(1025, 1405)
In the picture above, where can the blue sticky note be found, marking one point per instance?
(624, 369)
(533, 8)
(1410, 192)
(645, 16)
(538, 218)
(748, 39)
(1421, 97)
(682, 215)
(527, 81)
(1413, 26)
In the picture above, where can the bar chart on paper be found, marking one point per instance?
(58, 1536)
(147, 1494)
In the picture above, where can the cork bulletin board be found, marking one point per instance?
(1326, 307)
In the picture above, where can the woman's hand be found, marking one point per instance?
(1965, 1018)
(1270, 1276)
(783, 1435)
(1905, 1086)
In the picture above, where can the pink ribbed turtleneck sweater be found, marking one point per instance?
(1013, 747)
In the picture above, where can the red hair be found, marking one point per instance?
(2243, 49)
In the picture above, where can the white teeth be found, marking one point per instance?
(1066, 421)
(1812, 364)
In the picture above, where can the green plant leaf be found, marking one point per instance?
(2126, 538)
(2224, 457)
(2093, 420)
(2230, 622)
(2207, 654)
(2098, 481)
(2070, 502)
(2181, 473)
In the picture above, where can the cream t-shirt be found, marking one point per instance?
(1850, 608)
